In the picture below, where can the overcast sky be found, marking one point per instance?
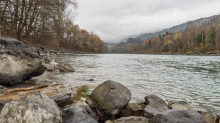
(113, 20)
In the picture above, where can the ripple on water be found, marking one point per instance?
(195, 79)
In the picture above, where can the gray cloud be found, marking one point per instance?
(116, 19)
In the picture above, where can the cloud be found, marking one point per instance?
(116, 19)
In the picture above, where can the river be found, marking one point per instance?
(194, 79)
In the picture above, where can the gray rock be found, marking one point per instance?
(131, 119)
(108, 99)
(133, 109)
(149, 112)
(17, 62)
(62, 99)
(76, 115)
(178, 116)
(209, 117)
(64, 68)
(34, 108)
(156, 102)
(3, 89)
(182, 105)
(91, 112)
(50, 67)
(154, 106)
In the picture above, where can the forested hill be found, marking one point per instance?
(200, 36)
(169, 30)
(48, 23)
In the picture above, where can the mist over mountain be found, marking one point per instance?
(203, 30)
(173, 29)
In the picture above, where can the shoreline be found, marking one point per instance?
(183, 54)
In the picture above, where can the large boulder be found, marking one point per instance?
(178, 116)
(108, 99)
(154, 106)
(17, 62)
(131, 119)
(76, 115)
(34, 108)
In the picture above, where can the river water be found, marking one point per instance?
(194, 79)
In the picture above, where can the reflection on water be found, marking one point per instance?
(195, 79)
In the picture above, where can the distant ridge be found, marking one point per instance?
(131, 36)
(142, 37)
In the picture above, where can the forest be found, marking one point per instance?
(49, 23)
(201, 38)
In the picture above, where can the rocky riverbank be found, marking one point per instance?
(46, 51)
(24, 100)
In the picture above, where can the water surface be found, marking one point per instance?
(195, 79)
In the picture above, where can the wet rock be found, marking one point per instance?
(182, 105)
(133, 109)
(34, 108)
(76, 115)
(108, 99)
(178, 116)
(154, 106)
(62, 99)
(64, 68)
(131, 119)
(17, 62)
(209, 117)
(2, 89)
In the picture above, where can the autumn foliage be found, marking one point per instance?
(47, 22)
(200, 39)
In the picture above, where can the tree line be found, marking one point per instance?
(47, 22)
(202, 38)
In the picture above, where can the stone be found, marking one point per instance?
(108, 99)
(154, 106)
(34, 108)
(178, 116)
(18, 62)
(156, 102)
(65, 68)
(62, 99)
(131, 119)
(76, 115)
(149, 112)
(91, 112)
(209, 117)
(3, 89)
(90, 80)
(182, 105)
(133, 109)
(50, 67)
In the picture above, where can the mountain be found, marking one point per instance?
(131, 36)
(173, 29)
